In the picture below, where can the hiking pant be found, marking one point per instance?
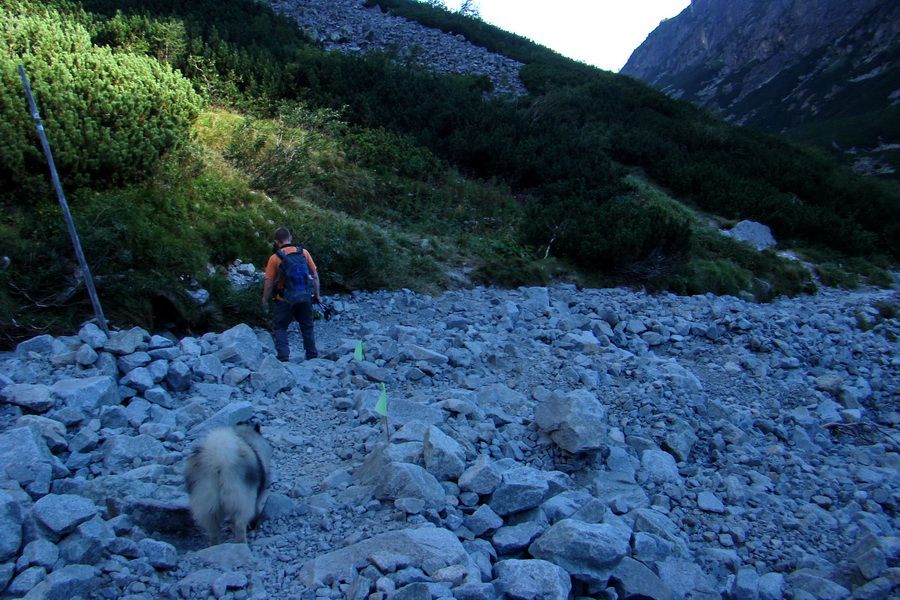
(282, 316)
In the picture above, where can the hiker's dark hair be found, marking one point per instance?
(282, 234)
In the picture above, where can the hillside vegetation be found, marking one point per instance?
(185, 132)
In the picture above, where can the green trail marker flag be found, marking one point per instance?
(358, 353)
(381, 405)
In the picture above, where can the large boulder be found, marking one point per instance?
(24, 457)
(756, 234)
(240, 345)
(60, 514)
(520, 488)
(590, 552)
(658, 466)
(168, 511)
(654, 522)
(515, 538)
(45, 345)
(444, 456)
(33, 397)
(576, 421)
(121, 343)
(501, 403)
(428, 548)
(272, 376)
(482, 476)
(618, 493)
(89, 394)
(532, 580)
(178, 376)
(405, 480)
(687, 579)
(68, 582)
(633, 579)
(483, 520)
(93, 336)
(10, 526)
(86, 544)
(122, 452)
(393, 480)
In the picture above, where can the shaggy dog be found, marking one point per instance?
(226, 477)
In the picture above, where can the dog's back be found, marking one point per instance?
(227, 477)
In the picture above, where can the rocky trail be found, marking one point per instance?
(545, 443)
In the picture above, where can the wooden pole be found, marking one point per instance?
(86, 272)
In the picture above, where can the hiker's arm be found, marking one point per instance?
(267, 289)
(315, 276)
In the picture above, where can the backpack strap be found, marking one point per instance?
(279, 287)
(281, 253)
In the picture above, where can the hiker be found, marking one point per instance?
(295, 293)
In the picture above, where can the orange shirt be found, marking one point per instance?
(273, 267)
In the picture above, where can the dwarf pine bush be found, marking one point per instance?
(108, 116)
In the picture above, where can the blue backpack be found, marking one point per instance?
(295, 276)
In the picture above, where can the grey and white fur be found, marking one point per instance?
(227, 477)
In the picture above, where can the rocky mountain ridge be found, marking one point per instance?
(541, 443)
(784, 65)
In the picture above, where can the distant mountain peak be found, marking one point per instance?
(824, 71)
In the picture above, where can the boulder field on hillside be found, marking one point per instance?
(540, 444)
(348, 27)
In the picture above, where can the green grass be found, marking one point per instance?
(848, 272)
(723, 265)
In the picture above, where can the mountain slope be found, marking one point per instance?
(822, 71)
(396, 174)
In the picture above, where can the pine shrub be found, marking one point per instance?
(636, 237)
(108, 116)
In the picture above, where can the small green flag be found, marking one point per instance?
(358, 353)
(381, 405)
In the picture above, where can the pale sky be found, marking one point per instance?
(603, 33)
